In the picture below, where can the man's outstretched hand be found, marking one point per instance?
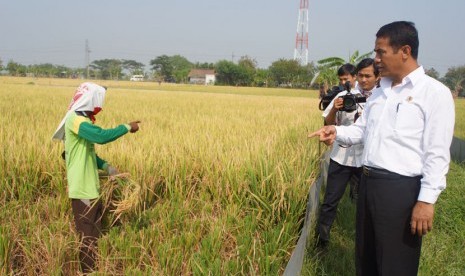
(134, 126)
(327, 134)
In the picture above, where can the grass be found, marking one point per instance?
(442, 250)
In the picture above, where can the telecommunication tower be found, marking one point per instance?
(301, 39)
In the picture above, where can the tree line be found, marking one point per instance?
(244, 72)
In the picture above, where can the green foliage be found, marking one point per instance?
(455, 80)
(133, 67)
(181, 68)
(247, 70)
(102, 69)
(204, 65)
(261, 77)
(327, 68)
(241, 74)
(227, 73)
(285, 73)
(16, 69)
(335, 62)
(163, 65)
(172, 68)
(107, 69)
(288, 72)
(331, 62)
(432, 73)
(48, 70)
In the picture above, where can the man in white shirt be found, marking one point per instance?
(345, 161)
(407, 128)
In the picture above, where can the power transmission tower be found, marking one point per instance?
(87, 50)
(301, 39)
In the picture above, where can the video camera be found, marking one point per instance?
(330, 94)
(350, 101)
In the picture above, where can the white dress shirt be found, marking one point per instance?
(346, 155)
(407, 129)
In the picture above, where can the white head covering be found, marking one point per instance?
(88, 97)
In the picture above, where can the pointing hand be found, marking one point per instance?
(134, 126)
(327, 134)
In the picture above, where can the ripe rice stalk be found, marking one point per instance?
(6, 244)
(121, 196)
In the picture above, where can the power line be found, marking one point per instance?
(87, 50)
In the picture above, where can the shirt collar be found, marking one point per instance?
(413, 77)
(363, 92)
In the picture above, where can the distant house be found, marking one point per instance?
(201, 76)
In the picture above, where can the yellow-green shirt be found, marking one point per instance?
(82, 162)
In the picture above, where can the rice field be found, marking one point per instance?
(218, 179)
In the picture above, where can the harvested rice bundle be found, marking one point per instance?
(121, 197)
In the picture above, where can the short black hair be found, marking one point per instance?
(401, 33)
(346, 69)
(367, 62)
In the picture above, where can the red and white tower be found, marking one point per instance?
(301, 39)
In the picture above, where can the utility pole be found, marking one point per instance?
(301, 39)
(87, 51)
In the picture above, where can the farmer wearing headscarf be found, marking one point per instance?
(79, 133)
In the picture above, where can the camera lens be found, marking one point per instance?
(348, 102)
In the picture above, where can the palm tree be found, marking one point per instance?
(327, 68)
(326, 77)
(336, 62)
(457, 86)
(455, 80)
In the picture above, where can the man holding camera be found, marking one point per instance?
(345, 162)
(406, 128)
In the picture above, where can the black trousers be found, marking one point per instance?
(384, 243)
(338, 177)
(88, 220)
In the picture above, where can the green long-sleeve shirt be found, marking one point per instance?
(81, 160)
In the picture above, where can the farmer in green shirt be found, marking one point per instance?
(79, 133)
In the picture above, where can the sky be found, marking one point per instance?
(55, 31)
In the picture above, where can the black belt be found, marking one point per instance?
(371, 172)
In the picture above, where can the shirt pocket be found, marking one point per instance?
(409, 119)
